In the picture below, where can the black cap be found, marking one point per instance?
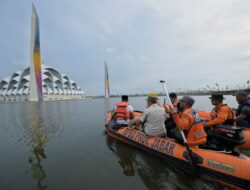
(172, 95)
(217, 97)
(241, 93)
(124, 97)
(188, 100)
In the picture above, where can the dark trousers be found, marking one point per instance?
(243, 123)
(173, 131)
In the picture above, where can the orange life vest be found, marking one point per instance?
(230, 118)
(121, 112)
(196, 135)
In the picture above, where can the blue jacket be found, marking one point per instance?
(245, 122)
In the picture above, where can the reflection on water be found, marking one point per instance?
(155, 173)
(38, 172)
(39, 137)
(133, 163)
(125, 156)
(108, 104)
(60, 145)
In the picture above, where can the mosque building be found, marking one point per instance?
(38, 82)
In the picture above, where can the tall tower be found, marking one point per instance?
(36, 90)
(107, 92)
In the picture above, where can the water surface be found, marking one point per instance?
(63, 145)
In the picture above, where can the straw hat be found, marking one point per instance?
(152, 96)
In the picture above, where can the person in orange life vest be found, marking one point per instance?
(123, 112)
(221, 113)
(187, 120)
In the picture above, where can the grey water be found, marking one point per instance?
(63, 145)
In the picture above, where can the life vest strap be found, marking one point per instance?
(196, 134)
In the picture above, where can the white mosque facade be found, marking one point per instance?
(38, 82)
(55, 86)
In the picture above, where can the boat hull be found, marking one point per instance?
(227, 168)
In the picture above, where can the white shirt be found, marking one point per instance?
(154, 118)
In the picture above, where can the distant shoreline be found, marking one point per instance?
(190, 93)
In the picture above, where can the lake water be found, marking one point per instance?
(63, 145)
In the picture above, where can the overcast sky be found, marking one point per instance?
(190, 44)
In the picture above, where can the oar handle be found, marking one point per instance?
(166, 91)
(167, 95)
(182, 134)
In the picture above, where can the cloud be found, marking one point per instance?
(102, 37)
(190, 44)
(110, 50)
(22, 63)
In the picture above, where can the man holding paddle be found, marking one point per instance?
(188, 121)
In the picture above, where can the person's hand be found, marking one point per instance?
(136, 127)
(167, 110)
(173, 110)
